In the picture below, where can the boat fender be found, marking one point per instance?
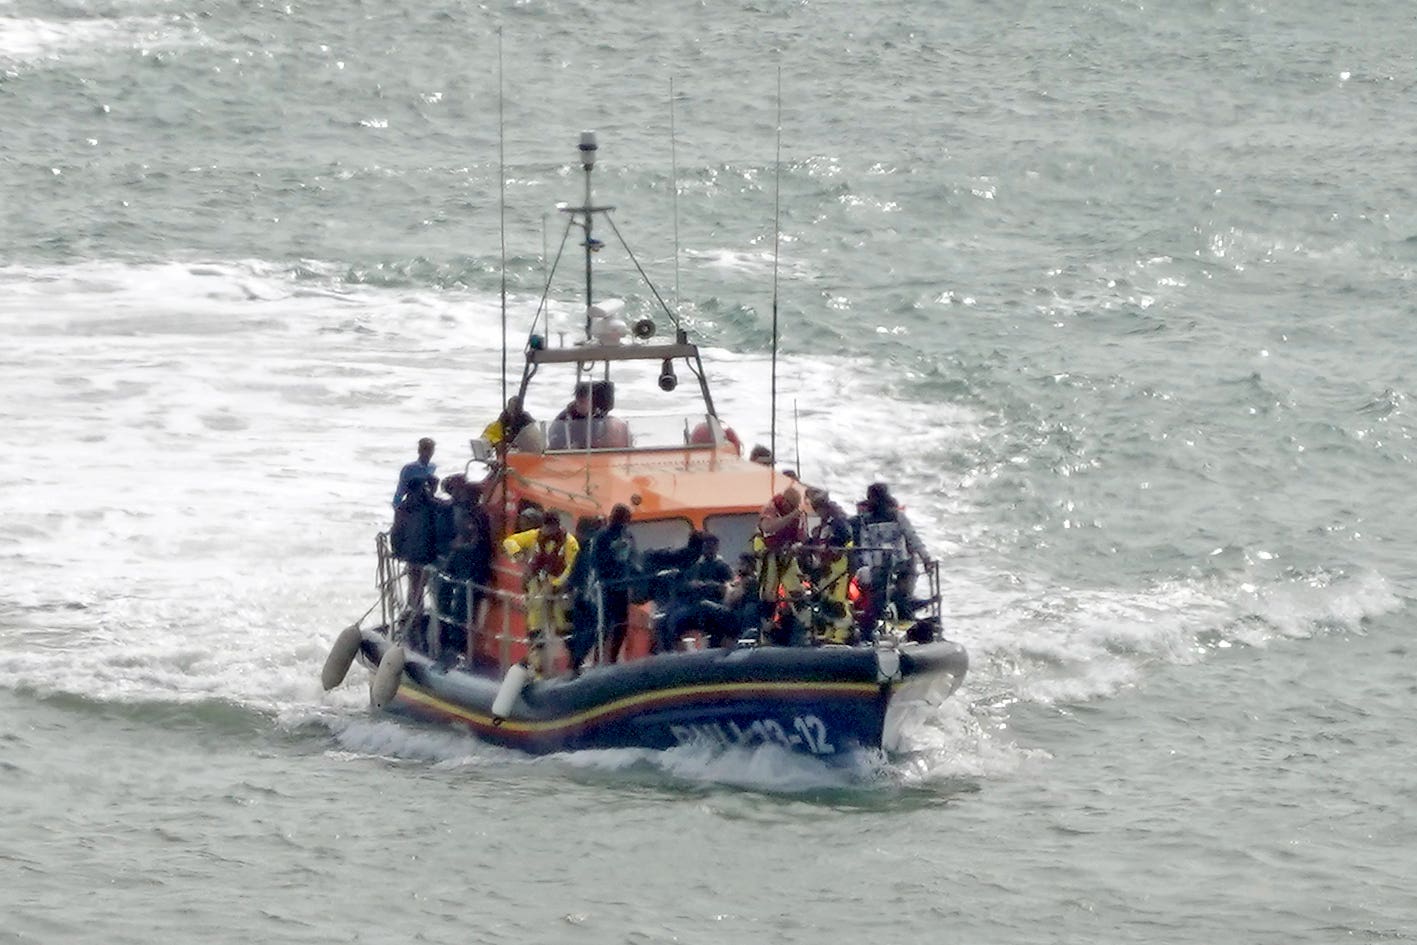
(512, 685)
(387, 677)
(887, 666)
(341, 656)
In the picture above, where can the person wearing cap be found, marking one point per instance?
(886, 549)
(550, 554)
(421, 468)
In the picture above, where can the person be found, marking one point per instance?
(585, 595)
(886, 547)
(741, 597)
(421, 468)
(509, 423)
(418, 537)
(781, 527)
(465, 572)
(616, 565)
(761, 455)
(698, 601)
(468, 508)
(550, 554)
(825, 561)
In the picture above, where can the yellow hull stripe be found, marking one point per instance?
(412, 693)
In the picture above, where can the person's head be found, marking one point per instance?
(581, 403)
(425, 449)
(792, 498)
(761, 454)
(620, 515)
(420, 486)
(551, 526)
(455, 485)
(878, 496)
(710, 549)
(529, 518)
(695, 545)
(587, 526)
(747, 564)
(817, 498)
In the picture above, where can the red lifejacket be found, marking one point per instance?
(549, 560)
(788, 534)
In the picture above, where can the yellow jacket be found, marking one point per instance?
(550, 558)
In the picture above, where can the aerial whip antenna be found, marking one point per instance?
(776, 239)
(502, 204)
(674, 184)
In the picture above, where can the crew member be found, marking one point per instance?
(782, 525)
(825, 562)
(509, 423)
(550, 554)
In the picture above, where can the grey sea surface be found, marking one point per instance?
(1119, 297)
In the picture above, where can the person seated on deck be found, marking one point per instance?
(550, 553)
(824, 559)
(697, 602)
(741, 598)
(509, 424)
(782, 525)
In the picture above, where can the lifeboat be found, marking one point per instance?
(476, 655)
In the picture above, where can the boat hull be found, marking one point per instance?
(822, 701)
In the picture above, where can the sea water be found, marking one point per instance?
(1118, 297)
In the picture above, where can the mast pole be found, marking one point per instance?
(776, 240)
(588, 148)
(502, 204)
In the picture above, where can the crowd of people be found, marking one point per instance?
(814, 574)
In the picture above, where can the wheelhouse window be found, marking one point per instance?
(735, 532)
(661, 533)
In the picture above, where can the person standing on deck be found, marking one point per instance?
(550, 554)
(887, 547)
(782, 525)
(615, 559)
(825, 561)
(421, 468)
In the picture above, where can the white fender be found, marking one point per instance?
(387, 677)
(341, 656)
(887, 666)
(512, 685)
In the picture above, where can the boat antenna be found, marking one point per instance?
(674, 185)
(796, 440)
(502, 204)
(776, 239)
(588, 148)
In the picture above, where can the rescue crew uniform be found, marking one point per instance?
(779, 574)
(549, 559)
(829, 546)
